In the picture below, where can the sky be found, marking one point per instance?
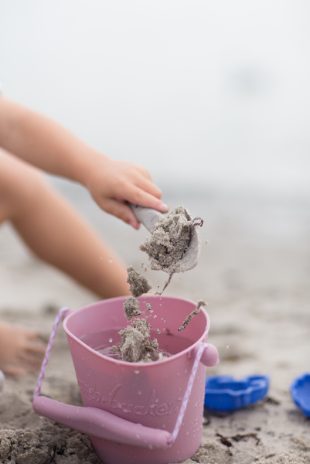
(202, 93)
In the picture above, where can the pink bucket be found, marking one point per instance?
(135, 413)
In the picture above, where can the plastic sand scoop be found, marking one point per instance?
(149, 218)
(135, 413)
(300, 391)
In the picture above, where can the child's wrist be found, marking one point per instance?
(88, 165)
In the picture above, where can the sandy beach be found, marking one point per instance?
(254, 272)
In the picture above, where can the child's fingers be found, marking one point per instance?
(37, 338)
(29, 360)
(145, 173)
(148, 186)
(32, 352)
(36, 349)
(137, 196)
(121, 211)
(15, 371)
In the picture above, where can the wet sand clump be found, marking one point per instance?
(132, 307)
(136, 343)
(170, 239)
(137, 283)
(44, 444)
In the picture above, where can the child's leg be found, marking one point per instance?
(55, 232)
(21, 350)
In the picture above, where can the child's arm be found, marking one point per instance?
(48, 146)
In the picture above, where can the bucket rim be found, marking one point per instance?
(137, 364)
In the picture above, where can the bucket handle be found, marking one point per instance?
(102, 424)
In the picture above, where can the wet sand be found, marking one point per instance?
(254, 273)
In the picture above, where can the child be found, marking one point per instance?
(49, 225)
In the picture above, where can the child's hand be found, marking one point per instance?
(48, 146)
(113, 183)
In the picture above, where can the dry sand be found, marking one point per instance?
(255, 275)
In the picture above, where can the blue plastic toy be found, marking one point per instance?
(300, 391)
(224, 393)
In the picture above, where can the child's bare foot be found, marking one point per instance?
(21, 350)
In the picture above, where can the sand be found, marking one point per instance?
(170, 239)
(194, 313)
(132, 307)
(166, 246)
(254, 273)
(137, 283)
(136, 344)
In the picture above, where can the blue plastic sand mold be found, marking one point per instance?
(300, 391)
(224, 393)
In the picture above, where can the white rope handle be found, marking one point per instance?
(58, 319)
(187, 393)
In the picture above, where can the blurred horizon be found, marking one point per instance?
(209, 96)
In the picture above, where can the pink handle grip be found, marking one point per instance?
(210, 356)
(101, 424)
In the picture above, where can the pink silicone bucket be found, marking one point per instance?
(135, 413)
